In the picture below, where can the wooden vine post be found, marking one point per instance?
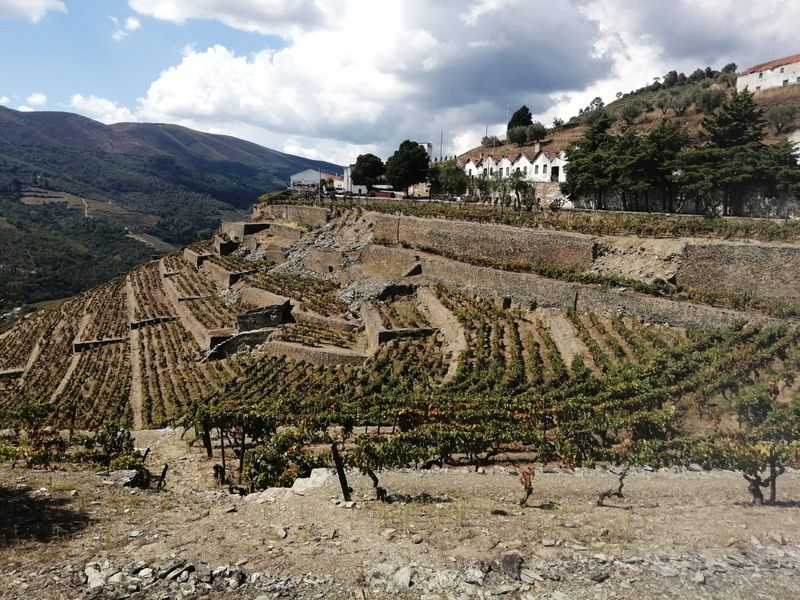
(337, 460)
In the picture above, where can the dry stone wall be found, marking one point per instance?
(327, 357)
(495, 242)
(308, 215)
(770, 271)
(527, 291)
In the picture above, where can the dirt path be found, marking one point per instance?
(76, 357)
(136, 395)
(674, 535)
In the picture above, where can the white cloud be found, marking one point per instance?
(275, 17)
(36, 99)
(361, 75)
(4, 100)
(32, 10)
(123, 29)
(23, 108)
(422, 71)
(101, 109)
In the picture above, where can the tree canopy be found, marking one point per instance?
(368, 170)
(407, 166)
(447, 177)
(522, 117)
(731, 168)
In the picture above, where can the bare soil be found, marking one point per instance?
(453, 533)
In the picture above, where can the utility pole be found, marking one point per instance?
(441, 141)
(319, 186)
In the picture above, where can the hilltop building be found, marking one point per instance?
(310, 178)
(775, 73)
(537, 165)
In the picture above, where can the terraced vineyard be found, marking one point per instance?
(212, 312)
(312, 293)
(19, 342)
(236, 263)
(173, 379)
(150, 301)
(187, 281)
(401, 313)
(98, 388)
(276, 384)
(53, 360)
(107, 312)
(315, 335)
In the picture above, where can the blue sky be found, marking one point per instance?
(72, 52)
(334, 78)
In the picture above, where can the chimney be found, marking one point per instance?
(536, 147)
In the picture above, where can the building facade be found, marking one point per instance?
(776, 73)
(538, 166)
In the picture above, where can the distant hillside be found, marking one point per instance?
(71, 189)
(183, 177)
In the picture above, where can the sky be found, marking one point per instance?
(331, 79)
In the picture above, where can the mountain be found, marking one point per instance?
(183, 178)
(151, 180)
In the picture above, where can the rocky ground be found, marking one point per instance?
(450, 534)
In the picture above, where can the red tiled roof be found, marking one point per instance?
(768, 66)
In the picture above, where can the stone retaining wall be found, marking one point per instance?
(323, 261)
(269, 316)
(222, 276)
(195, 258)
(153, 321)
(261, 298)
(387, 335)
(314, 216)
(494, 242)
(338, 324)
(239, 229)
(88, 344)
(528, 290)
(326, 357)
(770, 271)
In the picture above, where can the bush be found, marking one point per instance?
(115, 440)
(281, 460)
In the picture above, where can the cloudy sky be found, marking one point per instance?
(334, 78)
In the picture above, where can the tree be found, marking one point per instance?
(664, 145)
(535, 132)
(368, 170)
(558, 122)
(521, 118)
(739, 122)
(662, 101)
(670, 79)
(730, 68)
(707, 100)
(734, 161)
(630, 112)
(524, 191)
(490, 140)
(780, 116)
(679, 102)
(448, 177)
(517, 135)
(698, 75)
(590, 160)
(407, 166)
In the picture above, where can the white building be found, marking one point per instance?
(538, 165)
(348, 185)
(775, 73)
(310, 178)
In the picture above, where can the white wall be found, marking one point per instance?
(771, 78)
